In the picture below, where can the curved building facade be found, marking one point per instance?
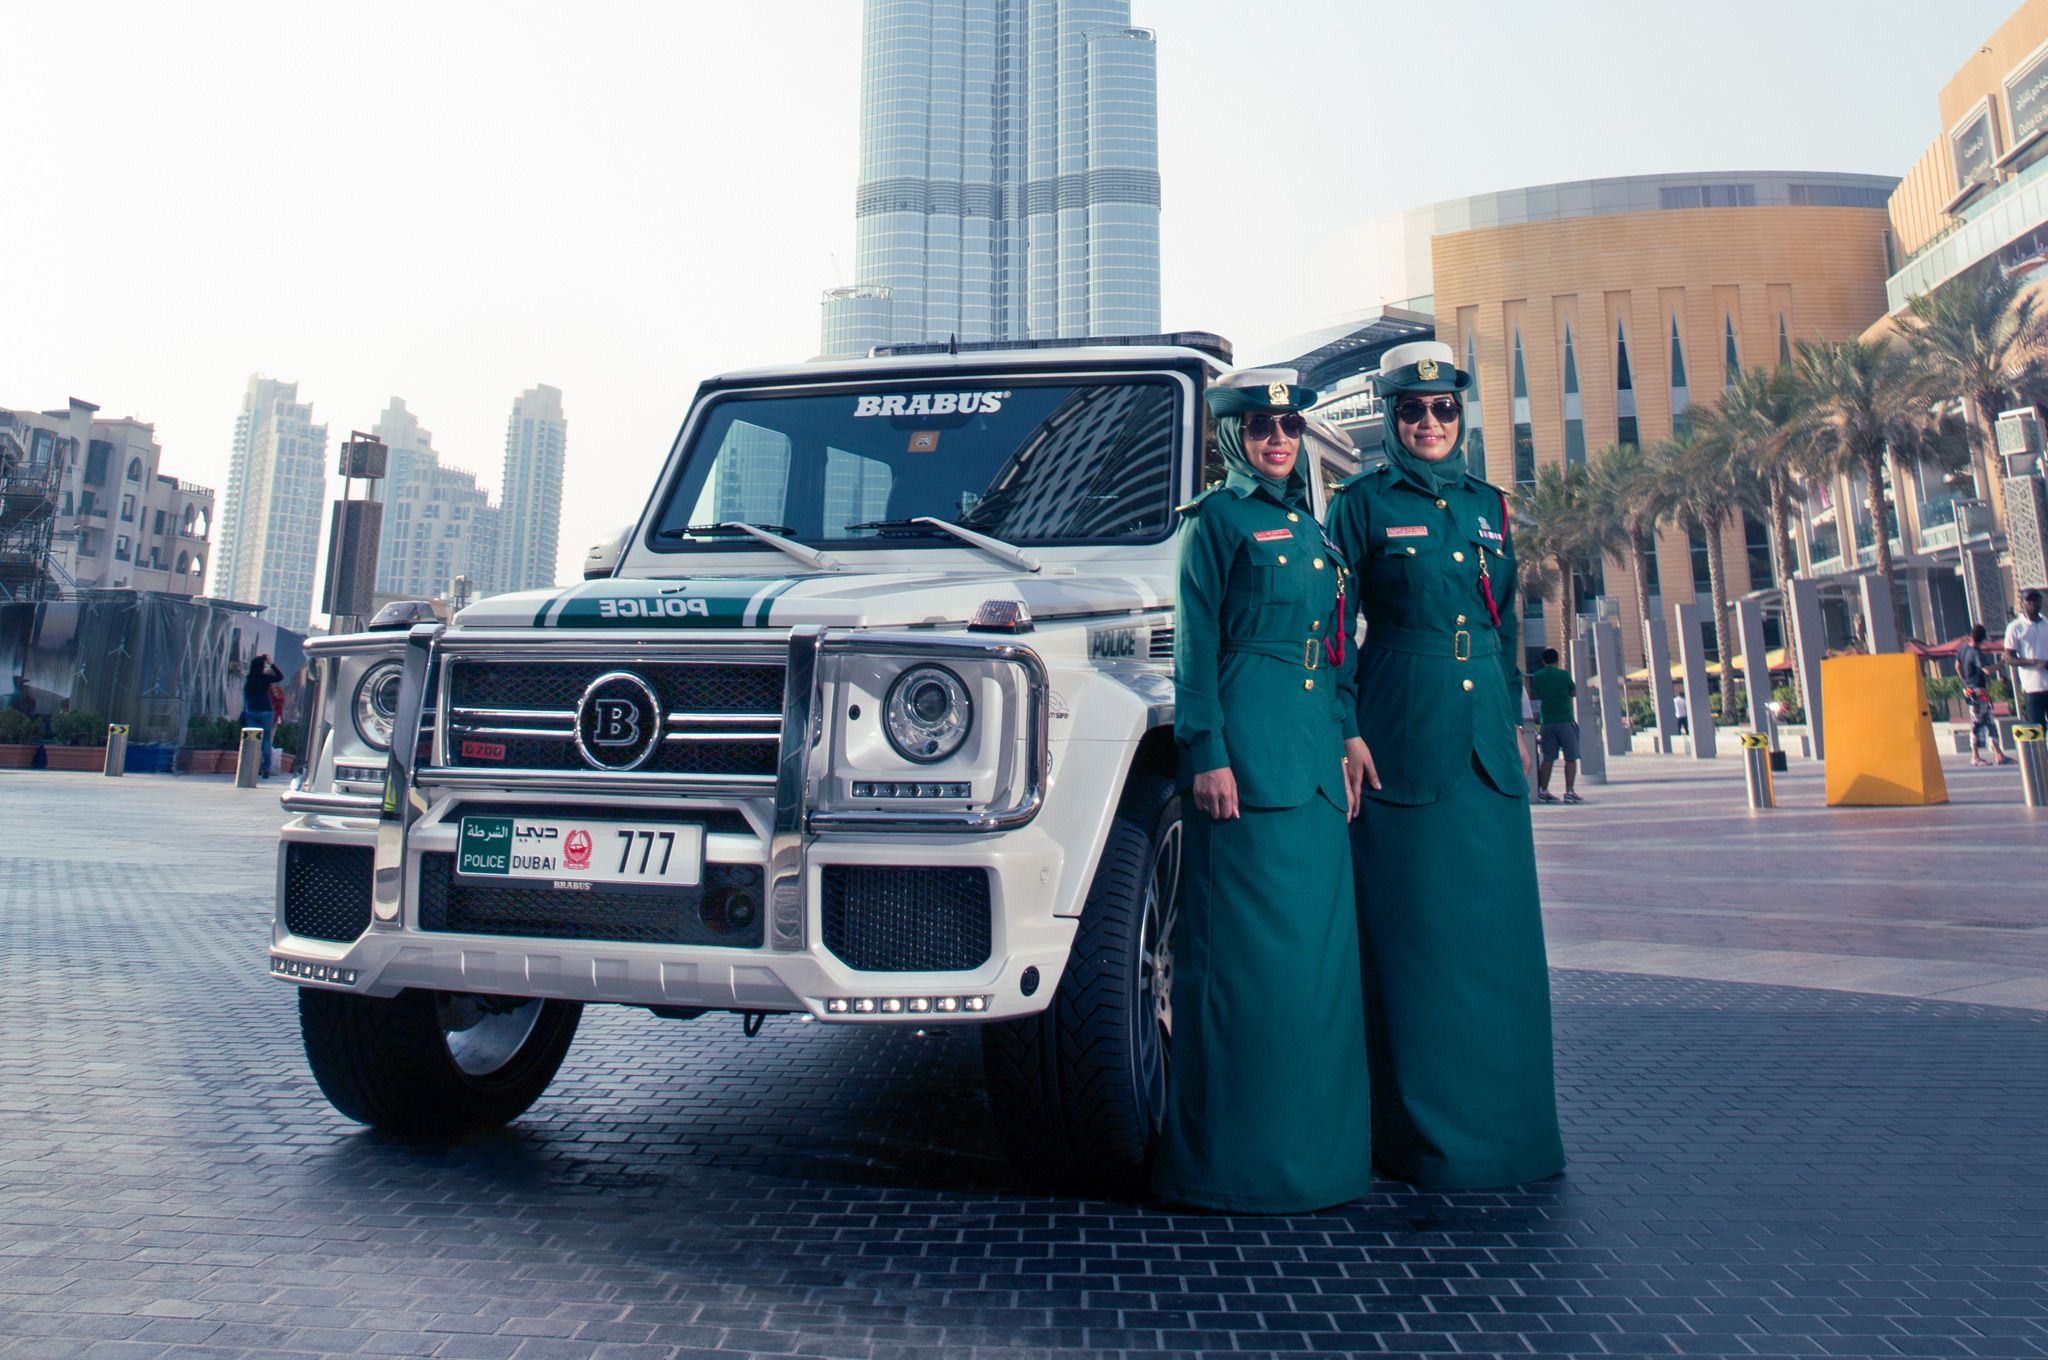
(1607, 311)
(1009, 175)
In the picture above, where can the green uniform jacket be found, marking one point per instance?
(1256, 689)
(1436, 684)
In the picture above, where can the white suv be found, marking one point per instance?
(869, 717)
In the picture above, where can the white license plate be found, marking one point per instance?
(562, 850)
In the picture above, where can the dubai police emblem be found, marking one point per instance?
(1425, 369)
(1276, 393)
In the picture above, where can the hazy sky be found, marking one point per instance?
(450, 202)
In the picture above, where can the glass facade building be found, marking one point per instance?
(270, 518)
(530, 513)
(1009, 175)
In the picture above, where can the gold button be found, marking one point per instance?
(1310, 684)
(1441, 504)
(1461, 618)
(1468, 684)
(1411, 552)
(1293, 518)
(1315, 623)
(1319, 564)
(1457, 557)
(1283, 559)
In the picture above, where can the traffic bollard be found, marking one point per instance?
(249, 763)
(117, 749)
(2033, 762)
(1756, 767)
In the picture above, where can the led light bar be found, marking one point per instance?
(906, 1005)
(313, 972)
(865, 789)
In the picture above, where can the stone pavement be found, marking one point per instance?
(1755, 1170)
(1667, 871)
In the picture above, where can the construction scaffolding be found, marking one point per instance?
(28, 518)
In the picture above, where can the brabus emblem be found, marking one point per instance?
(618, 722)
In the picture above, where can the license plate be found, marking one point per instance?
(562, 850)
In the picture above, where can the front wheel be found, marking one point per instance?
(1078, 1090)
(434, 1062)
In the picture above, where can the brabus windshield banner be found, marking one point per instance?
(930, 404)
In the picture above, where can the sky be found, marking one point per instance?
(450, 201)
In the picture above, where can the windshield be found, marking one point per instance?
(1028, 463)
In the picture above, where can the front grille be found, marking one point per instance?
(724, 910)
(889, 920)
(327, 890)
(722, 719)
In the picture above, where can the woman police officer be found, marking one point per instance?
(1266, 1109)
(1451, 932)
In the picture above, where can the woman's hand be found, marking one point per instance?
(1216, 793)
(1358, 769)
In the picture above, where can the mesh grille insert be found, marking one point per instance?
(889, 920)
(327, 890)
(724, 910)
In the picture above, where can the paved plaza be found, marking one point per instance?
(1791, 1133)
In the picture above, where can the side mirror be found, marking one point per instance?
(603, 558)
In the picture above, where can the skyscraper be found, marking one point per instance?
(530, 493)
(438, 523)
(269, 534)
(1009, 174)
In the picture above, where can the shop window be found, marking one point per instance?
(1574, 423)
(1624, 390)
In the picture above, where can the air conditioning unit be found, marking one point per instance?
(2018, 433)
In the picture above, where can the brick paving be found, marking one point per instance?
(1755, 1171)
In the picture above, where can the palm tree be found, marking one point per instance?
(1980, 337)
(1556, 527)
(1709, 487)
(1858, 401)
(1755, 419)
(1630, 482)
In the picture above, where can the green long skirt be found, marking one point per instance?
(1457, 990)
(1267, 1106)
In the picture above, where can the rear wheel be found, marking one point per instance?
(1078, 1090)
(434, 1062)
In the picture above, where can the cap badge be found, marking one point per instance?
(1425, 369)
(1276, 393)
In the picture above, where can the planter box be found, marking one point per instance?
(281, 762)
(77, 757)
(14, 756)
(205, 762)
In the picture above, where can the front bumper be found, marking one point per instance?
(794, 853)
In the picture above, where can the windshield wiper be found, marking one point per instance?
(994, 547)
(810, 557)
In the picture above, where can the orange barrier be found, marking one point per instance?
(1880, 736)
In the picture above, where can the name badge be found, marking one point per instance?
(1408, 531)
(1268, 535)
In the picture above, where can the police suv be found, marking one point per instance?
(868, 718)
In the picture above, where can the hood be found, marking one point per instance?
(839, 600)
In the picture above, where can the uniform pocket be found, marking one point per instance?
(1268, 569)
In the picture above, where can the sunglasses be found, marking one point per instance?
(1410, 411)
(1262, 426)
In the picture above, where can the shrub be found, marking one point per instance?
(79, 729)
(1943, 688)
(213, 734)
(1737, 701)
(1642, 712)
(1788, 704)
(16, 727)
(286, 737)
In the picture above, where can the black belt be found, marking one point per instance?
(1461, 645)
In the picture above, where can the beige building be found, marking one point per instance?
(1606, 311)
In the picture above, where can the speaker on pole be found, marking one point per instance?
(352, 539)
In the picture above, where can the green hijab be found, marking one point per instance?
(1230, 441)
(1445, 472)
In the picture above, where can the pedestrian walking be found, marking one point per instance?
(1267, 1106)
(1451, 931)
(1678, 712)
(256, 701)
(1555, 689)
(2026, 652)
(1977, 693)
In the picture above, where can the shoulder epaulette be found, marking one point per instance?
(1196, 503)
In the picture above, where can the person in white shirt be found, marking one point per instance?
(2026, 651)
(1679, 713)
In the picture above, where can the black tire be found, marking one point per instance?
(1078, 1090)
(395, 1063)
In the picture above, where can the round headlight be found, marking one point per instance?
(928, 714)
(376, 707)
